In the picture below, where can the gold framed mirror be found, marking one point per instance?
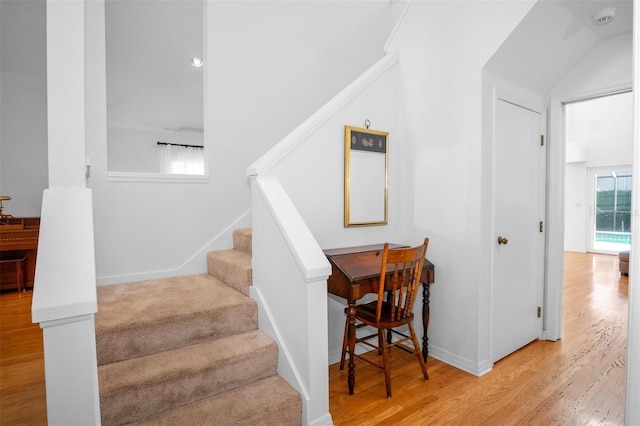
(366, 177)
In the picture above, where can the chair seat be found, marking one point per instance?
(367, 314)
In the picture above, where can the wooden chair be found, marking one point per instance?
(399, 279)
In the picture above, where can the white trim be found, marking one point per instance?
(393, 37)
(311, 262)
(476, 368)
(554, 266)
(141, 177)
(632, 408)
(555, 203)
(325, 420)
(570, 97)
(535, 105)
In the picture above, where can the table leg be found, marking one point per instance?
(426, 292)
(351, 312)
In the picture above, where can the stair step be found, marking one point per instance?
(242, 240)
(187, 350)
(142, 318)
(140, 387)
(231, 266)
(269, 402)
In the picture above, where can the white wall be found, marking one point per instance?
(270, 65)
(316, 187)
(422, 103)
(23, 122)
(575, 207)
(136, 150)
(603, 127)
(441, 124)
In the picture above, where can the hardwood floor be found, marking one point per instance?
(578, 380)
(22, 388)
(575, 381)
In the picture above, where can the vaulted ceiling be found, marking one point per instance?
(553, 38)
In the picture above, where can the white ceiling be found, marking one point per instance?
(553, 38)
(146, 91)
(585, 9)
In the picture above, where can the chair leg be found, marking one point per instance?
(416, 345)
(385, 360)
(344, 343)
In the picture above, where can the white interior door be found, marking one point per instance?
(519, 243)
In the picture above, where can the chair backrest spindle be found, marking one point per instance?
(401, 286)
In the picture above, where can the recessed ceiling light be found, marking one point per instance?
(197, 62)
(604, 16)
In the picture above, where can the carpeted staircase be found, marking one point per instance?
(187, 350)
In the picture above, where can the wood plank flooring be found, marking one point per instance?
(578, 380)
(22, 387)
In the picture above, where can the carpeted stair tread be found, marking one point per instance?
(137, 319)
(187, 350)
(268, 402)
(231, 266)
(243, 239)
(139, 387)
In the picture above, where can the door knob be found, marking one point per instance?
(502, 240)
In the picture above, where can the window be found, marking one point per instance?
(182, 160)
(612, 209)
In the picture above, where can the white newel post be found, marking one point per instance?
(64, 295)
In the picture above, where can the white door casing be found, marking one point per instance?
(518, 210)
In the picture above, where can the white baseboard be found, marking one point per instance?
(325, 420)
(475, 368)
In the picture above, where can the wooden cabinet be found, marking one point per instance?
(18, 238)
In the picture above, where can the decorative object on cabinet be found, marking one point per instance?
(3, 216)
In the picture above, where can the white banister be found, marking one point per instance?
(64, 294)
(290, 270)
(64, 303)
(290, 285)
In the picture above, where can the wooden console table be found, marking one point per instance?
(355, 271)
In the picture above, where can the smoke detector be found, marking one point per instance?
(604, 16)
